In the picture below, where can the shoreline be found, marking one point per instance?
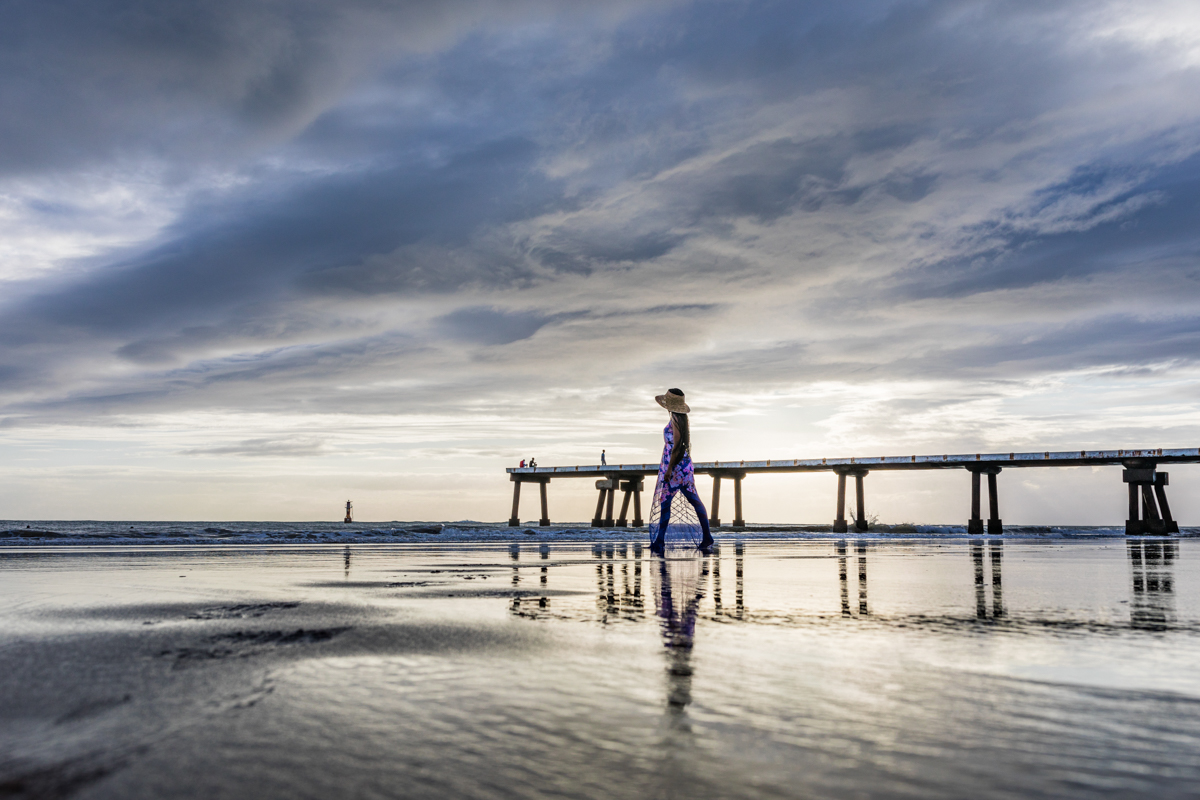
(42, 535)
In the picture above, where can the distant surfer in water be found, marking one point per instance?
(675, 473)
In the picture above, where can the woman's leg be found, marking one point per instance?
(694, 499)
(664, 517)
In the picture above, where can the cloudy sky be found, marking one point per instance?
(257, 258)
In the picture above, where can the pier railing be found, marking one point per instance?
(1149, 512)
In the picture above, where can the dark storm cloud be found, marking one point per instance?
(87, 80)
(90, 80)
(243, 247)
(338, 158)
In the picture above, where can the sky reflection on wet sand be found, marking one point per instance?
(911, 668)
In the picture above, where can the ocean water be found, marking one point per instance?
(878, 666)
(133, 532)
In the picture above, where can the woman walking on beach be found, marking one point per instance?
(676, 477)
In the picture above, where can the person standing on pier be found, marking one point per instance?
(676, 476)
(603, 460)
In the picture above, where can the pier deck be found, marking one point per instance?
(1149, 512)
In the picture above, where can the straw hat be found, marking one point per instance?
(673, 401)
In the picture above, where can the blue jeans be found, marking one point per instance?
(664, 517)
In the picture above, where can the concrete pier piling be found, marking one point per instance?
(860, 518)
(543, 481)
(605, 502)
(1149, 485)
(994, 524)
(738, 522)
(839, 522)
(1149, 512)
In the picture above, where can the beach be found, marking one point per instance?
(911, 666)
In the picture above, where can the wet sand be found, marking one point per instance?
(908, 668)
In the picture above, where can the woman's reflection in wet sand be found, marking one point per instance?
(681, 580)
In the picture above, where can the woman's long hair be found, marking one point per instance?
(681, 424)
(685, 436)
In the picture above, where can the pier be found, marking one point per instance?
(1149, 512)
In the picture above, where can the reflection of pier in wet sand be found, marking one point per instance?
(984, 576)
(627, 603)
(623, 573)
(1151, 563)
(843, 578)
(843, 596)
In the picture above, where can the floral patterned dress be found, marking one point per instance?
(684, 476)
(683, 529)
